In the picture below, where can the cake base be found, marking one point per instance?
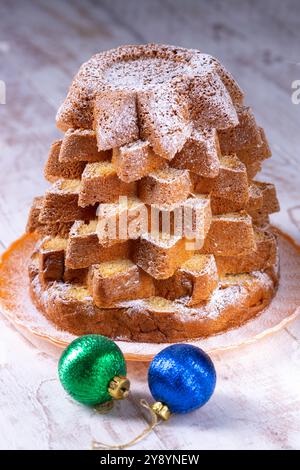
(17, 305)
(158, 320)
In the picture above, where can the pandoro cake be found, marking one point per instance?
(154, 228)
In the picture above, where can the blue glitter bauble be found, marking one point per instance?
(182, 377)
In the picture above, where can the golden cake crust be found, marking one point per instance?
(157, 320)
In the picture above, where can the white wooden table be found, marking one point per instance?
(42, 44)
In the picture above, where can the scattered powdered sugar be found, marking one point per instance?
(161, 239)
(162, 78)
(233, 296)
(223, 298)
(141, 74)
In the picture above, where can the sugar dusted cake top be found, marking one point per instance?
(163, 91)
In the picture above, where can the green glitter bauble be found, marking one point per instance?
(87, 366)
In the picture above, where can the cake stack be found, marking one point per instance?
(154, 228)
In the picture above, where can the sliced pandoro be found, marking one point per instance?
(164, 119)
(118, 280)
(211, 108)
(33, 222)
(69, 303)
(166, 96)
(230, 235)
(136, 160)
(51, 259)
(123, 220)
(222, 206)
(76, 276)
(255, 200)
(253, 169)
(196, 279)
(55, 229)
(202, 271)
(259, 259)
(161, 254)
(228, 280)
(255, 152)
(84, 248)
(101, 184)
(270, 204)
(245, 134)
(231, 182)
(196, 217)
(261, 220)
(190, 218)
(165, 186)
(60, 203)
(156, 319)
(54, 169)
(233, 88)
(81, 145)
(115, 118)
(248, 281)
(200, 154)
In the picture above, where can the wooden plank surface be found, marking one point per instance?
(42, 44)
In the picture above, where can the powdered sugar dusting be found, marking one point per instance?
(170, 84)
(144, 73)
(231, 297)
